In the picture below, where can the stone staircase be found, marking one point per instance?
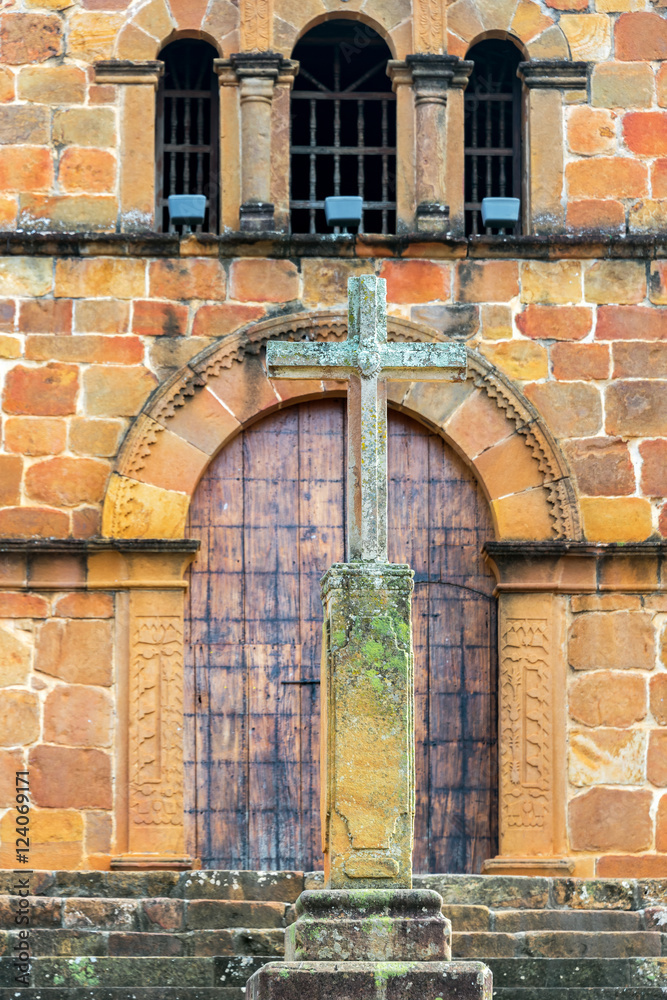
(200, 935)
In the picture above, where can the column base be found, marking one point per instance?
(432, 217)
(369, 925)
(152, 862)
(257, 217)
(546, 867)
(371, 981)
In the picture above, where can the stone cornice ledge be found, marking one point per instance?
(52, 564)
(405, 245)
(566, 567)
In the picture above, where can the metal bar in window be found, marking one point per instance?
(501, 140)
(315, 95)
(360, 157)
(385, 167)
(346, 150)
(313, 162)
(186, 127)
(475, 168)
(487, 144)
(337, 127)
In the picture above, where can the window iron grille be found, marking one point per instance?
(343, 128)
(187, 132)
(492, 130)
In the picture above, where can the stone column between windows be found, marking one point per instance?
(230, 146)
(139, 82)
(400, 75)
(280, 144)
(549, 84)
(432, 75)
(456, 146)
(257, 73)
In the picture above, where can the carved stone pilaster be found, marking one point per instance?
(258, 74)
(256, 25)
(429, 25)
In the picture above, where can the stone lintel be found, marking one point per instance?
(261, 64)
(126, 71)
(564, 567)
(388, 925)
(367, 726)
(371, 981)
(554, 74)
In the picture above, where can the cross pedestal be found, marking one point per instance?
(368, 934)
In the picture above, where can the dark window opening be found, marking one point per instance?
(187, 131)
(343, 127)
(492, 130)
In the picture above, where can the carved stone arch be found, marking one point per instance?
(152, 24)
(392, 22)
(538, 35)
(225, 388)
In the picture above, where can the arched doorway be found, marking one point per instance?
(270, 515)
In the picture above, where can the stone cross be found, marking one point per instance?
(367, 362)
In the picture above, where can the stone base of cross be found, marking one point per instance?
(367, 697)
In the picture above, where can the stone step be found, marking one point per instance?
(591, 993)
(556, 944)
(513, 921)
(587, 973)
(92, 971)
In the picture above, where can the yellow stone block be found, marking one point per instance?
(137, 510)
(552, 282)
(524, 516)
(519, 359)
(616, 519)
(92, 35)
(25, 276)
(589, 35)
(101, 277)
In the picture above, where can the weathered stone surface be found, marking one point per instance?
(551, 282)
(15, 657)
(606, 819)
(636, 359)
(458, 321)
(93, 316)
(496, 322)
(85, 127)
(87, 170)
(11, 471)
(77, 716)
(590, 131)
(50, 390)
(555, 322)
(67, 482)
(616, 519)
(65, 778)
(654, 467)
(640, 36)
(285, 887)
(622, 85)
(388, 980)
(52, 84)
(490, 281)
(603, 466)
(19, 718)
(24, 124)
(656, 760)
(30, 38)
(580, 362)
(604, 698)
(619, 640)
(607, 177)
(79, 652)
(95, 437)
(211, 914)
(100, 277)
(658, 698)
(51, 316)
(606, 757)
(116, 392)
(413, 281)
(571, 409)
(378, 925)
(263, 281)
(593, 214)
(618, 281)
(637, 407)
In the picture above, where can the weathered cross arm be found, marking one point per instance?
(320, 360)
(397, 362)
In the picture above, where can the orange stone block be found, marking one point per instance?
(659, 178)
(611, 819)
(61, 777)
(640, 36)
(88, 349)
(411, 281)
(246, 396)
(89, 170)
(656, 760)
(519, 359)
(84, 604)
(607, 177)
(477, 425)
(654, 467)
(25, 168)
(116, 391)
(204, 422)
(78, 651)
(590, 215)
(590, 131)
(45, 316)
(604, 698)
(662, 521)
(524, 516)
(657, 287)
(622, 282)
(78, 716)
(11, 761)
(7, 86)
(486, 281)
(551, 282)
(645, 132)
(508, 467)
(95, 437)
(636, 407)
(631, 323)
(30, 38)
(555, 322)
(658, 699)
(109, 316)
(19, 718)
(571, 409)
(223, 318)
(11, 470)
(67, 482)
(15, 657)
(661, 826)
(187, 279)
(626, 866)
(174, 464)
(47, 391)
(22, 605)
(52, 84)
(33, 522)
(86, 522)
(626, 519)
(574, 362)
(254, 280)
(157, 319)
(602, 466)
(100, 277)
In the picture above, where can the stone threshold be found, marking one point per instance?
(278, 245)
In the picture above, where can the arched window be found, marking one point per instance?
(492, 129)
(343, 127)
(187, 130)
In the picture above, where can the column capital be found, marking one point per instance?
(127, 71)
(399, 73)
(432, 75)
(263, 65)
(462, 73)
(553, 74)
(225, 73)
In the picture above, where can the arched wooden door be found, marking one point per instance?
(270, 513)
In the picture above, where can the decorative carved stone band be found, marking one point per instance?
(428, 25)
(256, 25)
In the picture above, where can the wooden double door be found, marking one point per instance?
(270, 513)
